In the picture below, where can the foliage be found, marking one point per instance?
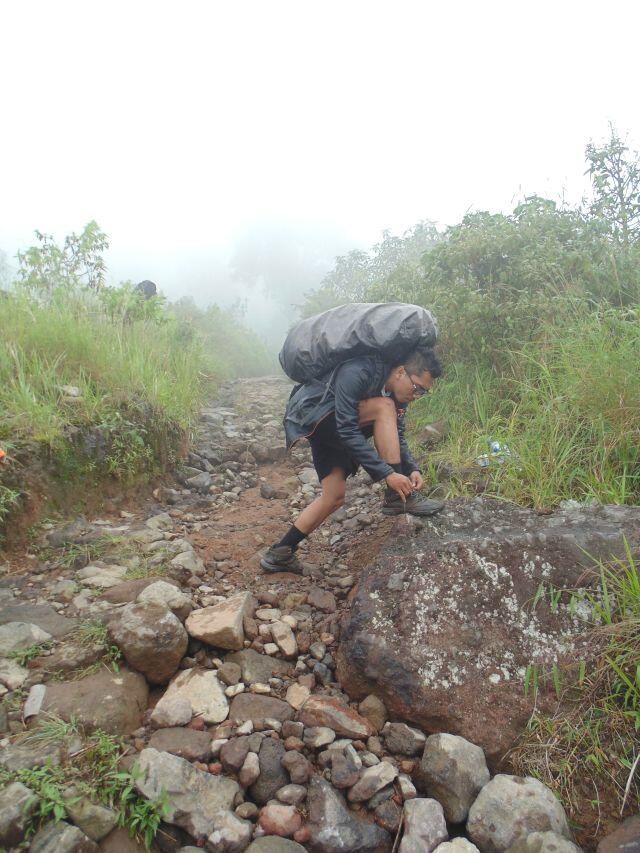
(358, 275)
(228, 346)
(127, 304)
(567, 405)
(78, 262)
(92, 772)
(615, 176)
(23, 656)
(590, 744)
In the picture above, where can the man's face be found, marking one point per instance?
(407, 387)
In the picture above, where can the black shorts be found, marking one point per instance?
(329, 452)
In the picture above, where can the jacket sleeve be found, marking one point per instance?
(350, 387)
(409, 464)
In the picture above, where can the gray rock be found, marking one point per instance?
(318, 736)
(401, 739)
(171, 711)
(221, 625)
(452, 771)
(424, 826)
(292, 795)
(297, 766)
(273, 844)
(17, 803)
(94, 820)
(42, 615)
(253, 706)
(203, 691)
(457, 845)
(187, 743)
(62, 838)
(231, 835)
(256, 667)
(230, 673)
(197, 800)
(12, 675)
(250, 770)
(123, 699)
(151, 638)
(234, 753)
(344, 770)
(17, 756)
(190, 561)
(624, 838)
(551, 842)
(20, 635)
(272, 774)
(334, 829)
(200, 482)
(509, 808)
(372, 780)
(374, 710)
(165, 593)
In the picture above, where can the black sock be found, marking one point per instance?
(397, 467)
(292, 538)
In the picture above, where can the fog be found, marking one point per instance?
(230, 151)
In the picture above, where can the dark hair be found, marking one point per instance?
(422, 359)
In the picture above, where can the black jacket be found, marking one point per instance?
(340, 392)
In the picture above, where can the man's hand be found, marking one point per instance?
(416, 480)
(400, 484)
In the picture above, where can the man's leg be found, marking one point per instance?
(381, 411)
(281, 557)
(331, 499)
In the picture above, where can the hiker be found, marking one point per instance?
(365, 397)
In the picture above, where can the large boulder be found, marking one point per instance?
(442, 625)
(509, 808)
(151, 638)
(197, 801)
(111, 701)
(334, 829)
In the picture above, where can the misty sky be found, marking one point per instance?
(199, 132)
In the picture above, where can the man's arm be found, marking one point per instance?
(350, 387)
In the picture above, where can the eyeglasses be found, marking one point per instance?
(418, 390)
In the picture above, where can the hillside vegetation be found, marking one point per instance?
(539, 332)
(100, 382)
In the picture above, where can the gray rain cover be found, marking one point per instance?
(316, 345)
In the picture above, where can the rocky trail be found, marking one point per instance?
(364, 706)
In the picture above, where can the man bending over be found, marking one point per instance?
(365, 397)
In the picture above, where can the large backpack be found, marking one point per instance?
(392, 330)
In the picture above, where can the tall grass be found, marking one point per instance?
(70, 342)
(567, 404)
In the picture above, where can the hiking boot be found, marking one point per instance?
(280, 558)
(415, 504)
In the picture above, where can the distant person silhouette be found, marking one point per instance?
(147, 288)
